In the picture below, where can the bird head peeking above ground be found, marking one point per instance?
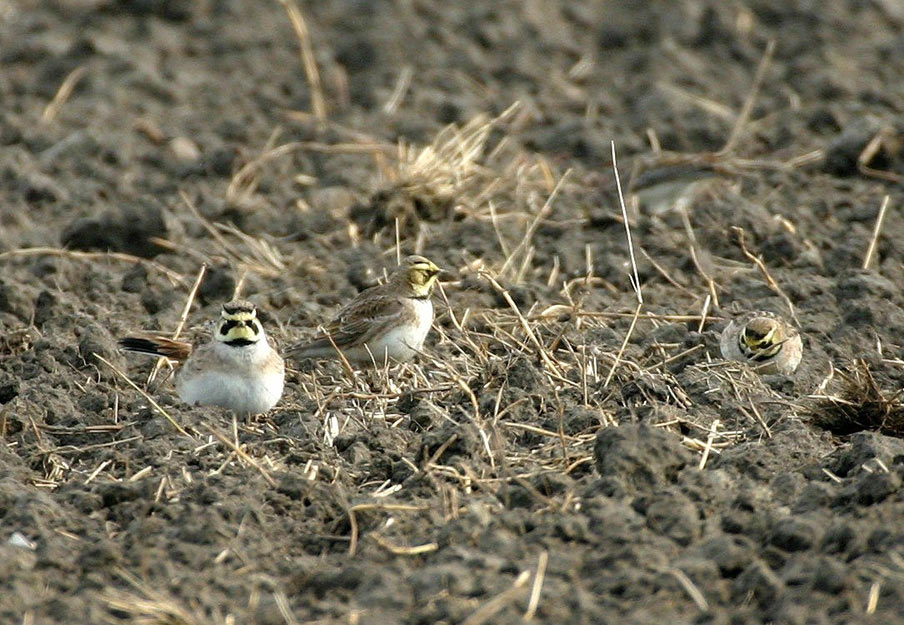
(761, 338)
(239, 324)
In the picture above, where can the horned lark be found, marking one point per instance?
(765, 341)
(238, 370)
(389, 321)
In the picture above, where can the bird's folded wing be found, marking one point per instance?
(364, 319)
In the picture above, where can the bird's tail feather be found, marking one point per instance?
(156, 346)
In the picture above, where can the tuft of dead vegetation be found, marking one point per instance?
(860, 404)
(460, 173)
(147, 606)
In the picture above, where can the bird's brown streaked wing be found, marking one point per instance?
(365, 318)
(352, 309)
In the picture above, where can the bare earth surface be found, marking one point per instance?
(534, 464)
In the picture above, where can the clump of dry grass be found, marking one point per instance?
(149, 606)
(861, 404)
(459, 172)
(230, 247)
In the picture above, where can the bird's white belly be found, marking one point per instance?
(404, 342)
(242, 394)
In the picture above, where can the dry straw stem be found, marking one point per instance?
(144, 394)
(704, 314)
(869, 152)
(182, 318)
(548, 360)
(757, 417)
(747, 108)
(447, 368)
(398, 93)
(621, 201)
(267, 259)
(258, 257)
(486, 612)
(714, 108)
(240, 285)
(399, 550)
(476, 350)
(244, 178)
(62, 94)
(282, 604)
(353, 135)
(345, 363)
(174, 277)
(766, 275)
(242, 454)
(536, 430)
(635, 279)
(537, 586)
(872, 601)
(880, 218)
(542, 214)
(624, 345)
(557, 310)
(713, 432)
(150, 607)
(361, 507)
(664, 273)
(308, 60)
(189, 251)
(431, 462)
(691, 589)
(692, 247)
(672, 359)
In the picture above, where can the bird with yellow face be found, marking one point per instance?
(237, 369)
(388, 322)
(763, 340)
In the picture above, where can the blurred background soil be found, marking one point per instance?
(551, 458)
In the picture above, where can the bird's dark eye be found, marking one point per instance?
(226, 327)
